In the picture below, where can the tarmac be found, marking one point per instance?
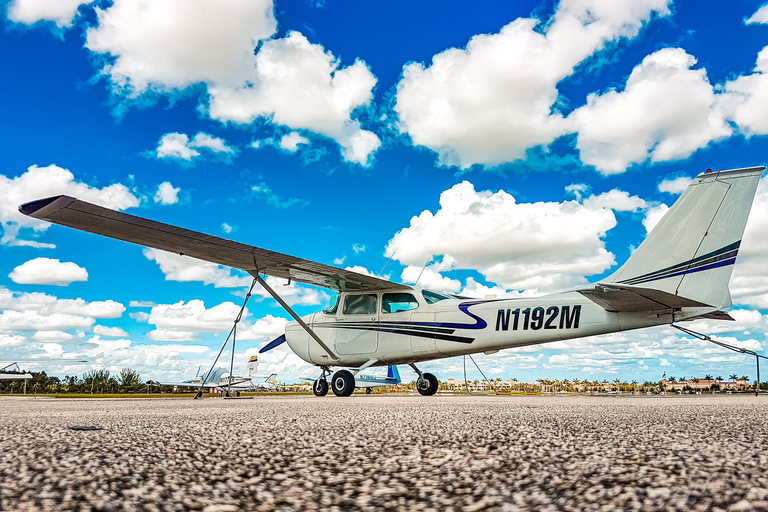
(379, 452)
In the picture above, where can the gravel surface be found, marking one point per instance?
(385, 452)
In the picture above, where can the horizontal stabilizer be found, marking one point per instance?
(630, 299)
(714, 315)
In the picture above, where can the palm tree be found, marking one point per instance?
(719, 379)
(673, 379)
(733, 377)
(708, 377)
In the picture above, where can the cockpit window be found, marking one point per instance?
(395, 302)
(364, 304)
(332, 306)
(432, 297)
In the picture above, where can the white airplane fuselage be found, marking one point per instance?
(453, 327)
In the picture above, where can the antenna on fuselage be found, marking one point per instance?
(387, 263)
(422, 269)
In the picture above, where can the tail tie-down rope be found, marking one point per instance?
(704, 337)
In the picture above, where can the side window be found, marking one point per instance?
(333, 305)
(360, 304)
(394, 302)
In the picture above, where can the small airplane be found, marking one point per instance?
(14, 376)
(221, 380)
(28, 376)
(679, 272)
(369, 380)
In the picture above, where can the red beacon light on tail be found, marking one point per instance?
(709, 171)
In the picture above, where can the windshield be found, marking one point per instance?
(332, 306)
(432, 297)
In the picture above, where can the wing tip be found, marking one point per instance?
(31, 208)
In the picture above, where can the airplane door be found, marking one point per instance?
(421, 345)
(357, 324)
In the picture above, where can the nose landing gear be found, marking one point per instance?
(320, 386)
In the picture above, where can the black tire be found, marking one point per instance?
(199, 394)
(238, 394)
(320, 387)
(427, 385)
(343, 383)
(368, 391)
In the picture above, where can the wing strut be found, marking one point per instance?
(293, 314)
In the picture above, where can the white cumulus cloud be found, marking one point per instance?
(760, 16)
(41, 182)
(298, 84)
(247, 74)
(60, 12)
(110, 332)
(42, 312)
(747, 98)
(488, 103)
(184, 268)
(429, 278)
(617, 200)
(665, 112)
(675, 185)
(179, 146)
(166, 45)
(167, 193)
(194, 317)
(536, 246)
(48, 271)
(290, 141)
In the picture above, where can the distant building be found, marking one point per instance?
(705, 385)
(508, 385)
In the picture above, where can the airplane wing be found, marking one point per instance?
(15, 376)
(187, 384)
(74, 213)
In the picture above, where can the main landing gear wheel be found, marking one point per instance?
(427, 384)
(368, 391)
(343, 383)
(320, 387)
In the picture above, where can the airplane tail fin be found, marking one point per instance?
(690, 253)
(393, 373)
(253, 365)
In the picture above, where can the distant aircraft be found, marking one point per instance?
(14, 376)
(27, 376)
(221, 380)
(680, 272)
(366, 379)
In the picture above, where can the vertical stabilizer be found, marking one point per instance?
(691, 252)
(253, 365)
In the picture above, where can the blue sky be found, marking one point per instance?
(522, 147)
